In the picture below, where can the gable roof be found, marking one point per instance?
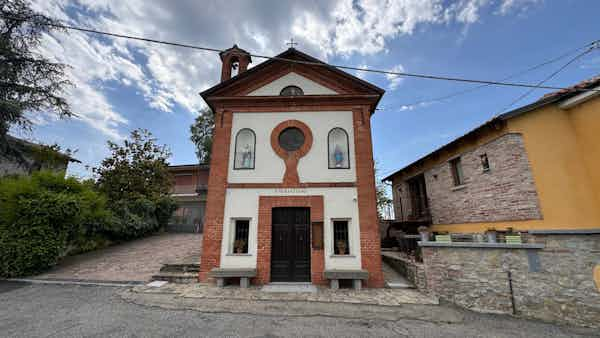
(25, 146)
(300, 59)
(547, 99)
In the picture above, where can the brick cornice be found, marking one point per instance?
(299, 185)
(291, 103)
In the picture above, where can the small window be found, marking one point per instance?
(340, 238)
(339, 153)
(245, 144)
(485, 163)
(457, 173)
(291, 91)
(240, 239)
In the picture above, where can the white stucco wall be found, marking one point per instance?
(292, 79)
(339, 203)
(313, 167)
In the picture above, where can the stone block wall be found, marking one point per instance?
(553, 284)
(505, 192)
(413, 271)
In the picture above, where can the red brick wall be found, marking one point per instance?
(186, 181)
(370, 245)
(217, 185)
(265, 207)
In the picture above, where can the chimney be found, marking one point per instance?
(234, 58)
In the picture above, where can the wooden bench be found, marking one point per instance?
(220, 274)
(357, 276)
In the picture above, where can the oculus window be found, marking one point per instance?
(339, 152)
(291, 139)
(245, 144)
(291, 91)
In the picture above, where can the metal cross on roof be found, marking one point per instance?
(291, 43)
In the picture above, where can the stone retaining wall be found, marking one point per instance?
(551, 280)
(413, 271)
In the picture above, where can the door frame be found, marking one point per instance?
(264, 233)
(290, 213)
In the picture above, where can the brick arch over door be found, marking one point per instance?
(265, 218)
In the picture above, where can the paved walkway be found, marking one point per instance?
(386, 297)
(137, 260)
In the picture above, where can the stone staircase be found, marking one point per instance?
(181, 273)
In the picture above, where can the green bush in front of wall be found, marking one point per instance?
(43, 217)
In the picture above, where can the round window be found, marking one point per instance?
(291, 139)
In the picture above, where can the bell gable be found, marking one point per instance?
(311, 75)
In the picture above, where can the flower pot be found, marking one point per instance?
(424, 236)
(491, 236)
(341, 246)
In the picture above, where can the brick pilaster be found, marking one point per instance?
(217, 188)
(370, 245)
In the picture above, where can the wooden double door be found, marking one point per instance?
(290, 245)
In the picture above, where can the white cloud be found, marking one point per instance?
(168, 77)
(395, 80)
(507, 6)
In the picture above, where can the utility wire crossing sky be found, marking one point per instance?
(591, 46)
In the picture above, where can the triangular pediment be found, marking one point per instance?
(312, 75)
(308, 86)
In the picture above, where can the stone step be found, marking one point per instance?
(399, 285)
(181, 267)
(177, 277)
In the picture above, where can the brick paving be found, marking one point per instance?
(137, 260)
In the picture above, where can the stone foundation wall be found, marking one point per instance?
(413, 271)
(553, 282)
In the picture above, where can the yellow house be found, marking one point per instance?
(534, 168)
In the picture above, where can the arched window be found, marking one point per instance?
(291, 91)
(339, 152)
(245, 145)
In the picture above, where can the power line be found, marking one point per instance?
(472, 89)
(310, 63)
(591, 47)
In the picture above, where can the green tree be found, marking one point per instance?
(381, 192)
(138, 168)
(202, 134)
(137, 182)
(28, 81)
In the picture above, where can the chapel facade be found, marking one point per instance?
(291, 191)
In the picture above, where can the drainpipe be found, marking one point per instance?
(512, 295)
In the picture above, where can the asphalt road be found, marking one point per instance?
(43, 310)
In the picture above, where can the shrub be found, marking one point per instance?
(41, 216)
(140, 217)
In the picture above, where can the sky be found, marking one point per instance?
(120, 85)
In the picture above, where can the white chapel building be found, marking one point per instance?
(291, 191)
